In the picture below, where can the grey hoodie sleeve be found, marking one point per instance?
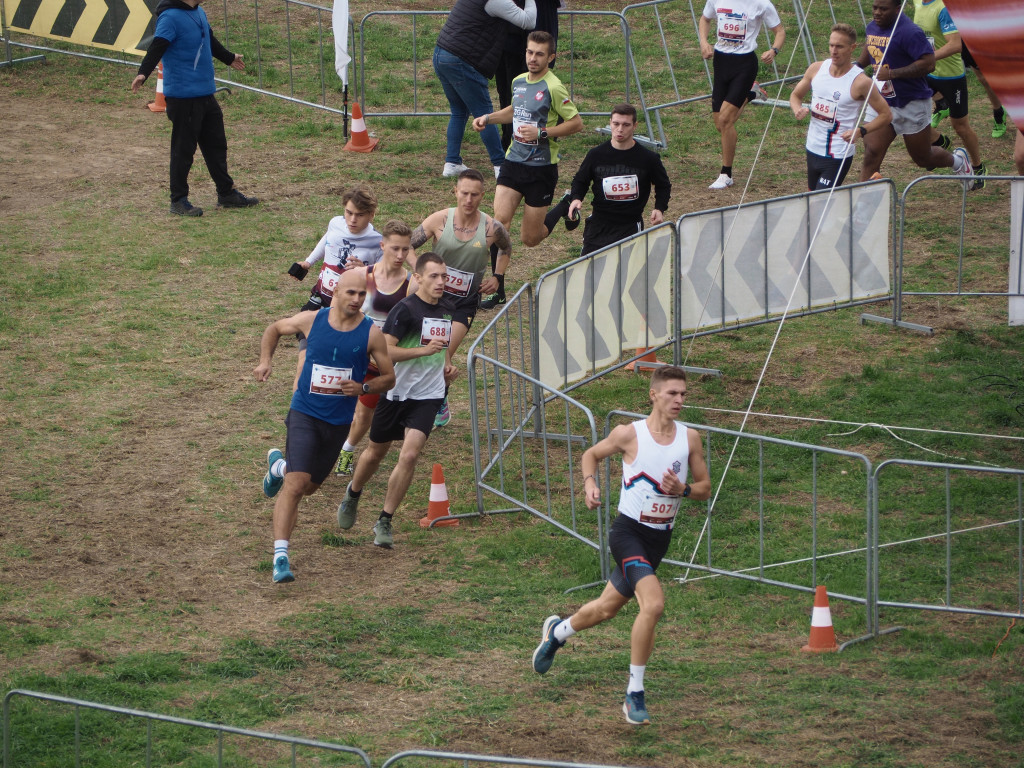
(524, 18)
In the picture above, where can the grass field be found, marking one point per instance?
(135, 543)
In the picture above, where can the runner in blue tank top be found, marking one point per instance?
(342, 340)
(657, 452)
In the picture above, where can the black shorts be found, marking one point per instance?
(637, 550)
(313, 445)
(536, 183)
(954, 91)
(600, 232)
(463, 308)
(734, 77)
(826, 172)
(392, 418)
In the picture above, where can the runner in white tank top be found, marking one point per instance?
(657, 453)
(838, 88)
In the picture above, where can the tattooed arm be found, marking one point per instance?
(430, 229)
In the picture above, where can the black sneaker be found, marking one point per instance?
(235, 199)
(184, 208)
(981, 170)
(571, 222)
(492, 301)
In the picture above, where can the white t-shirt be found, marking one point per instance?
(739, 23)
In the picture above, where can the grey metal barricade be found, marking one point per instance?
(959, 230)
(526, 433)
(78, 704)
(469, 757)
(924, 543)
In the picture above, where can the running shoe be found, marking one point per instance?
(492, 301)
(722, 182)
(453, 169)
(271, 484)
(545, 652)
(938, 116)
(757, 92)
(282, 570)
(981, 170)
(382, 536)
(444, 414)
(635, 709)
(345, 461)
(571, 222)
(944, 142)
(347, 510)
(965, 168)
(999, 127)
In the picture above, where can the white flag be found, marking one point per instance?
(339, 20)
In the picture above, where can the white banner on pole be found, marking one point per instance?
(1016, 252)
(339, 21)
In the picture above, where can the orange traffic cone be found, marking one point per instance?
(823, 637)
(650, 357)
(360, 141)
(438, 506)
(160, 105)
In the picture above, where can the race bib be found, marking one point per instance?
(435, 328)
(887, 89)
(824, 109)
(517, 126)
(620, 188)
(458, 282)
(732, 28)
(325, 380)
(659, 510)
(329, 280)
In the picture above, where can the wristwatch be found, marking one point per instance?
(543, 133)
(366, 387)
(863, 131)
(777, 51)
(686, 489)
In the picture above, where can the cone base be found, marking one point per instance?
(371, 145)
(648, 358)
(810, 649)
(426, 521)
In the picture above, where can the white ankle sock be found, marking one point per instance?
(280, 548)
(636, 678)
(563, 631)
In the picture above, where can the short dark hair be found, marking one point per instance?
(668, 373)
(542, 37)
(396, 227)
(362, 197)
(470, 173)
(428, 257)
(625, 109)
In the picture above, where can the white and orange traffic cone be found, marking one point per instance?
(438, 506)
(360, 141)
(160, 105)
(823, 637)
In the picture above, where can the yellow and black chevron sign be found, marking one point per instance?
(116, 25)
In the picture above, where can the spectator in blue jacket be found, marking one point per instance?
(185, 42)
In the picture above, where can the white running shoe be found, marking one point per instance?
(965, 168)
(454, 169)
(722, 182)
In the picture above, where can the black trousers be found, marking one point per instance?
(198, 121)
